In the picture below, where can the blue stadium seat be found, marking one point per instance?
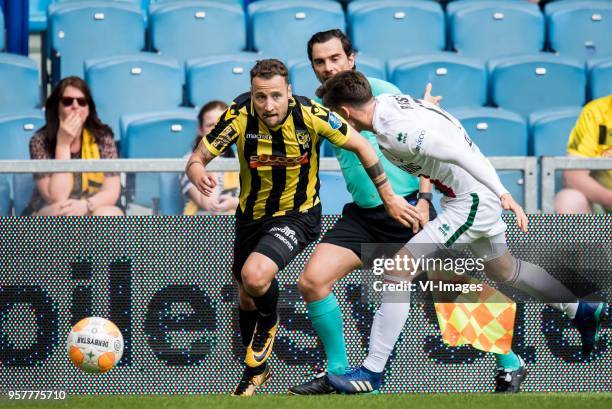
(496, 132)
(23, 187)
(2, 31)
(171, 200)
(132, 84)
(15, 133)
(492, 29)
(529, 83)
(143, 4)
(239, 2)
(460, 80)
(303, 79)
(580, 30)
(549, 134)
(371, 66)
(221, 77)
(38, 15)
(92, 29)
(333, 192)
(513, 181)
(5, 196)
(550, 130)
(410, 27)
(282, 29)
(600, 78)
(219, 28)
(19, 85)
(163, 134)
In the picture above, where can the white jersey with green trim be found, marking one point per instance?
(424, 140)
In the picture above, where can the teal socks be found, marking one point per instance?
(509, 361)
(326, 319)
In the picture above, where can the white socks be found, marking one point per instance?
(388, 323)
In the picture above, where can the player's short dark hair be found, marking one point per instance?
(269, 68)
(325, 36)
(345, 88)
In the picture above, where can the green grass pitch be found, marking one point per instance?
(403, 401)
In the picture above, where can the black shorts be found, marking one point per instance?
(280, 238)
(374, 225)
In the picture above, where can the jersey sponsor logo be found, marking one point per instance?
(334, 121)
(258, 136)
(420, 139)
(256, 161)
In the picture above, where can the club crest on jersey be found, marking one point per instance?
(303, 137)
(334, 121)
(402, 137)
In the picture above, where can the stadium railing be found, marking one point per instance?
(551, 164)
(528, 165)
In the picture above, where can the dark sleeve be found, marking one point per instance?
(226, 131)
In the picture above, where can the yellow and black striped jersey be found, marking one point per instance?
(592, 136)
(279, 168)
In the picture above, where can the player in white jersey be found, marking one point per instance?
(424, 140)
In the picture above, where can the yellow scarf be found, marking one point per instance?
(90, 182)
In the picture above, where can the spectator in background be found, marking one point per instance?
(74, 131)
(224, 199)
(589, 191)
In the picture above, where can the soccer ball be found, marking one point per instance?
(95, 345)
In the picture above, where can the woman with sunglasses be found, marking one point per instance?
(74, 131)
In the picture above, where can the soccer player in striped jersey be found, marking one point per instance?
(277, 136)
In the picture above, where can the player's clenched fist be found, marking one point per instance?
(204, 182)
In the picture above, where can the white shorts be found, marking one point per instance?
(472, 219)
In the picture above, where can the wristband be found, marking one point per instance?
(425, 196)
(191, 163)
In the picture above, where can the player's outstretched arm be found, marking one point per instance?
(396, 206)
(444, 149)
(196, 170)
